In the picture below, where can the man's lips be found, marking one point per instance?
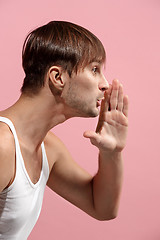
(98, 103)
(99, 100)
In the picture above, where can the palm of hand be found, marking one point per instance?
(111, 132)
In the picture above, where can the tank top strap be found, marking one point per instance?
(45, 165)
(12, 128)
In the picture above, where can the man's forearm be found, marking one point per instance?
(107, 185)
(110, 138)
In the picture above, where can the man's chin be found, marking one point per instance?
(91, 113)
(86, 113)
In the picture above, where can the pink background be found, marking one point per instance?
(130, 32)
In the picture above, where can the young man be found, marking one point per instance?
(63, 66)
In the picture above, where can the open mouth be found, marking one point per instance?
(99, 101)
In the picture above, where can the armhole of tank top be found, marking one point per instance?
(45, 164)
(11, 127)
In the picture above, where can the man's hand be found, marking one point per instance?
(111, 132)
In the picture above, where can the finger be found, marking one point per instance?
(90, 134)
(109, 90)
(125, 105)
(103, 110)
(93, 136)
(105, 102)
(99, 126)
(120, 98)
(114, 94)
(107, 97)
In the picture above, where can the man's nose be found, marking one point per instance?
(103, 85)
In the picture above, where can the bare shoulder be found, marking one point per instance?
(7, 144)
(52, 141)
(7, 156)
(59, 156)
(53, 144)
(55, 148)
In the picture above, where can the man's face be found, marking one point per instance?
(84, 90)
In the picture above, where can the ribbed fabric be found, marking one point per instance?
(21, 202)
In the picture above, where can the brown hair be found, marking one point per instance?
(57, 43)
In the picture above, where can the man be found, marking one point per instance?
(63, 66)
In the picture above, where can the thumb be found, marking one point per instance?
(89, 134)
(93, 136)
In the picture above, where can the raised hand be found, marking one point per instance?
(111, 131)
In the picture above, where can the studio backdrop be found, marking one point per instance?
(130, 33)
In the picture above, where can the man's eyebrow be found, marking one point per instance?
(96, 62)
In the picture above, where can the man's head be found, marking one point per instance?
(61, 44)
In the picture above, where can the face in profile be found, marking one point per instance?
(84, 90)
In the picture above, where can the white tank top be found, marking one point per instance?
(21, 202)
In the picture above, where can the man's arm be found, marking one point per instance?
(110, 138)
(67, 178)
(99, 195)
(107, 186)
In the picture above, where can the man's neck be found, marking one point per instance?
(34, 116)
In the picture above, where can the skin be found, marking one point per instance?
(61, 98)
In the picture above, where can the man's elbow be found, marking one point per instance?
(106, 217)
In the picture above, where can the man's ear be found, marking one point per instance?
(55, 77)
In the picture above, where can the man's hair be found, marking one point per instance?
(59, 43)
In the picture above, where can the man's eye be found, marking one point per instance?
(95, 69)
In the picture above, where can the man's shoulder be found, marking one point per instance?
(53, 142)
(6, 138)
(55, 148)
